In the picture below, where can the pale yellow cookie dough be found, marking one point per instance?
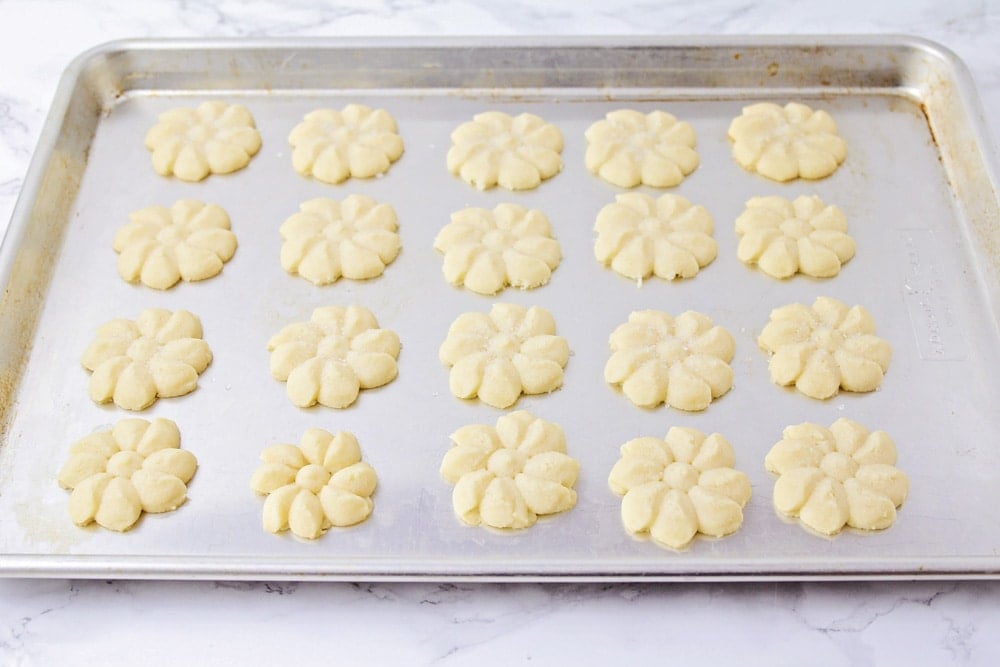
(118, 474)
(844, 475)
(328, 239)
(784, 237)
(319, 483)
(514, 152)
(682, 361)
(680, 486)
(487, 250)
(499, 356)
(332, 357)
(629, 148)
(189, 241)
(639, 236)
(160, 354)
(357, 141)
(787, 142)
(824, 348)
(213, 138)
(507, 476)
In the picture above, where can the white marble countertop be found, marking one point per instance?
(58, 622)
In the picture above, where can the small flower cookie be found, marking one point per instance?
(357, 141)
(680, 486)
(514, 152)
(327, 239)
(824, 348)
(160, 354)
(487, 250)
(189, 241)
(214, 138)
(499, 356)
(135, 467)
(785, 237)
(319, 483)
(629, 148)
(507, 476)
(782, 143)
(836, 477)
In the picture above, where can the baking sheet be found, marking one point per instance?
(916, 192)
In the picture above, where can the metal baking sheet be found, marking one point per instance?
(917, 187)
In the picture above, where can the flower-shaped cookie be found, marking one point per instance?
(160, 246)
(844, 475)
(135, 467)
(319, 483)
(332, 146)
(328, 239)
(214, 138)
(639, 236)
(516, 152)
(160, 354)
(786, 237)
(787, 142)
(630, 148)
(332, 357)
(488, 250)
(824, 348)
(506, 477)
(499, 356)
(682, 361)
(680, 486)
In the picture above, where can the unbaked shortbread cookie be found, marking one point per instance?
(680, 486)
(118, 474)
(825, 348)
(786, 237)
(332, 357)
(328, 239)
(844, 475)
(499, 356)
(516, 153)
(214, 138)
(508, 476)
(787, 142)
(332, 146)
(682, 361)
(189, 241)
(160, 354)
(487, 250)
(639, 236)
(629, 148)
(319, 483)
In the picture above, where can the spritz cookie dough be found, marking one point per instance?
(677, 487)
(213, 138)
(783, 143)
(784, 237)
(509, 475)
(487, 250)
(135, 467)
(332, 357)
(844, 475)
(682, 361)
(327, 239)
(629, 148)
(639, 236)
(514, 152)
(160, 354)
(160, 246)
(500, 355)
(824, 348)
(319, 483)
(357, 141)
